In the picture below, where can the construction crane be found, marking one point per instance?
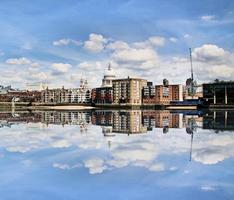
(191, 65)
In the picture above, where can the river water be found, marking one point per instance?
(119, 154)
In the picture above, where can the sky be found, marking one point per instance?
(58, 42)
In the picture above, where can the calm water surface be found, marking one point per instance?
(116, 155)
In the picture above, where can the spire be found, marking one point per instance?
(109, 66)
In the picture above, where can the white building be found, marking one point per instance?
(108, 77)
(81, 94)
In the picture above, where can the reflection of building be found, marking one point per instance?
(72, 118)
(219, 92)
(102, 118)
(128, 91)
(219, 120)
(128, 122)
(162, 119)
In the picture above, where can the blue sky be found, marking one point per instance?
(156, 37)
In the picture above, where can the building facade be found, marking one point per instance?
(102, 95)
(164, 94)
(76, 95)
(148, 94)
(128, 91)
(161, 94)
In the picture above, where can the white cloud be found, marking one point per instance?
(154, 41)
(157, 167)
(61, 67)
(134, 55)
(210, 53)
(18, 61)
(117, 45)
(172, 39)
(60, 144)
(207, 18)
(95, 165)
(65, 166)
(65, 42)
(95, 43)
(157, 41)
(187, 36)
(208, 188)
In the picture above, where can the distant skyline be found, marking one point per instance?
(57, 42)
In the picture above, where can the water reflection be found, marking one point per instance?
(156, 149)
(126, 121)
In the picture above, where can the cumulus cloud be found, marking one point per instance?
(22, 61)
(172, 39)
(207, 18)
(134, 55)
(210, 53)
(208, 188)
(95, 165)
(187, 36)
(65, 166)
(95, 43)
(117, 45)
(61, 67)
(18, 61)
(65, 42)
(157, 167)
(157, 41)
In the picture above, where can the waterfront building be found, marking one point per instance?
(22, 96)
(75, 95)
(166, 93)
(109, 76)
(148, 94)
(104, 94)
(81, 94)
(55, 95)
(219, 92)
(128, 91)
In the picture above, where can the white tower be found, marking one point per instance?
(108, 77)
